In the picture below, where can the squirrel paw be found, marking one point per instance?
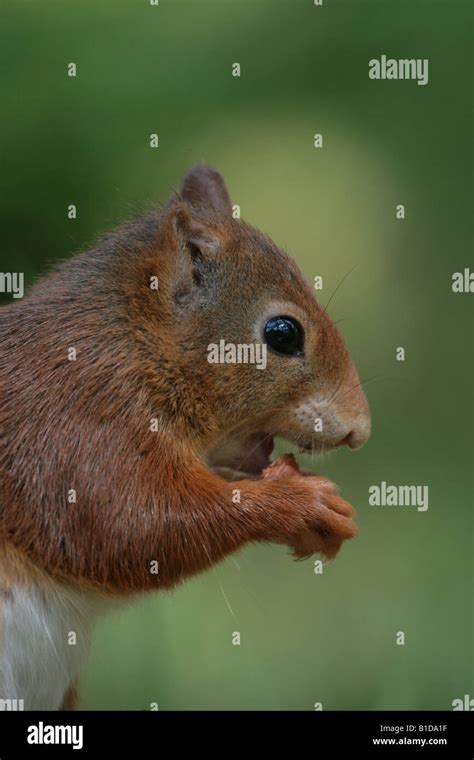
(325, 519)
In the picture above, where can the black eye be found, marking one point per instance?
(284, 335)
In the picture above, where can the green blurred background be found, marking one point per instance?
(305, 638)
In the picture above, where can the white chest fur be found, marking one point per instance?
(44, 640)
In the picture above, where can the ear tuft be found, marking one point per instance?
(203, 187)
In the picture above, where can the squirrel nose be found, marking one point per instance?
(354, 416)
(352, 440)
(358, 435)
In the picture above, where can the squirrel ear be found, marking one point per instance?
(194, 241)
(203, 187)
(193, 232)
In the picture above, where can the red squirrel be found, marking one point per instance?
(128, 460)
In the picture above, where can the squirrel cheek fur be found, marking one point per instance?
(136, 422)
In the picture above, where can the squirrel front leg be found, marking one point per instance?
(185, 524)
(204, 519)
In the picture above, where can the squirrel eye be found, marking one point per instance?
(284, 335)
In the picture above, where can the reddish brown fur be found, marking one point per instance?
(85, 424)
(70, 700)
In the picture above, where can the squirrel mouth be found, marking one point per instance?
(237, 458)
(241, 456)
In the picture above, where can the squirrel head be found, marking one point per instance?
(252, 352)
